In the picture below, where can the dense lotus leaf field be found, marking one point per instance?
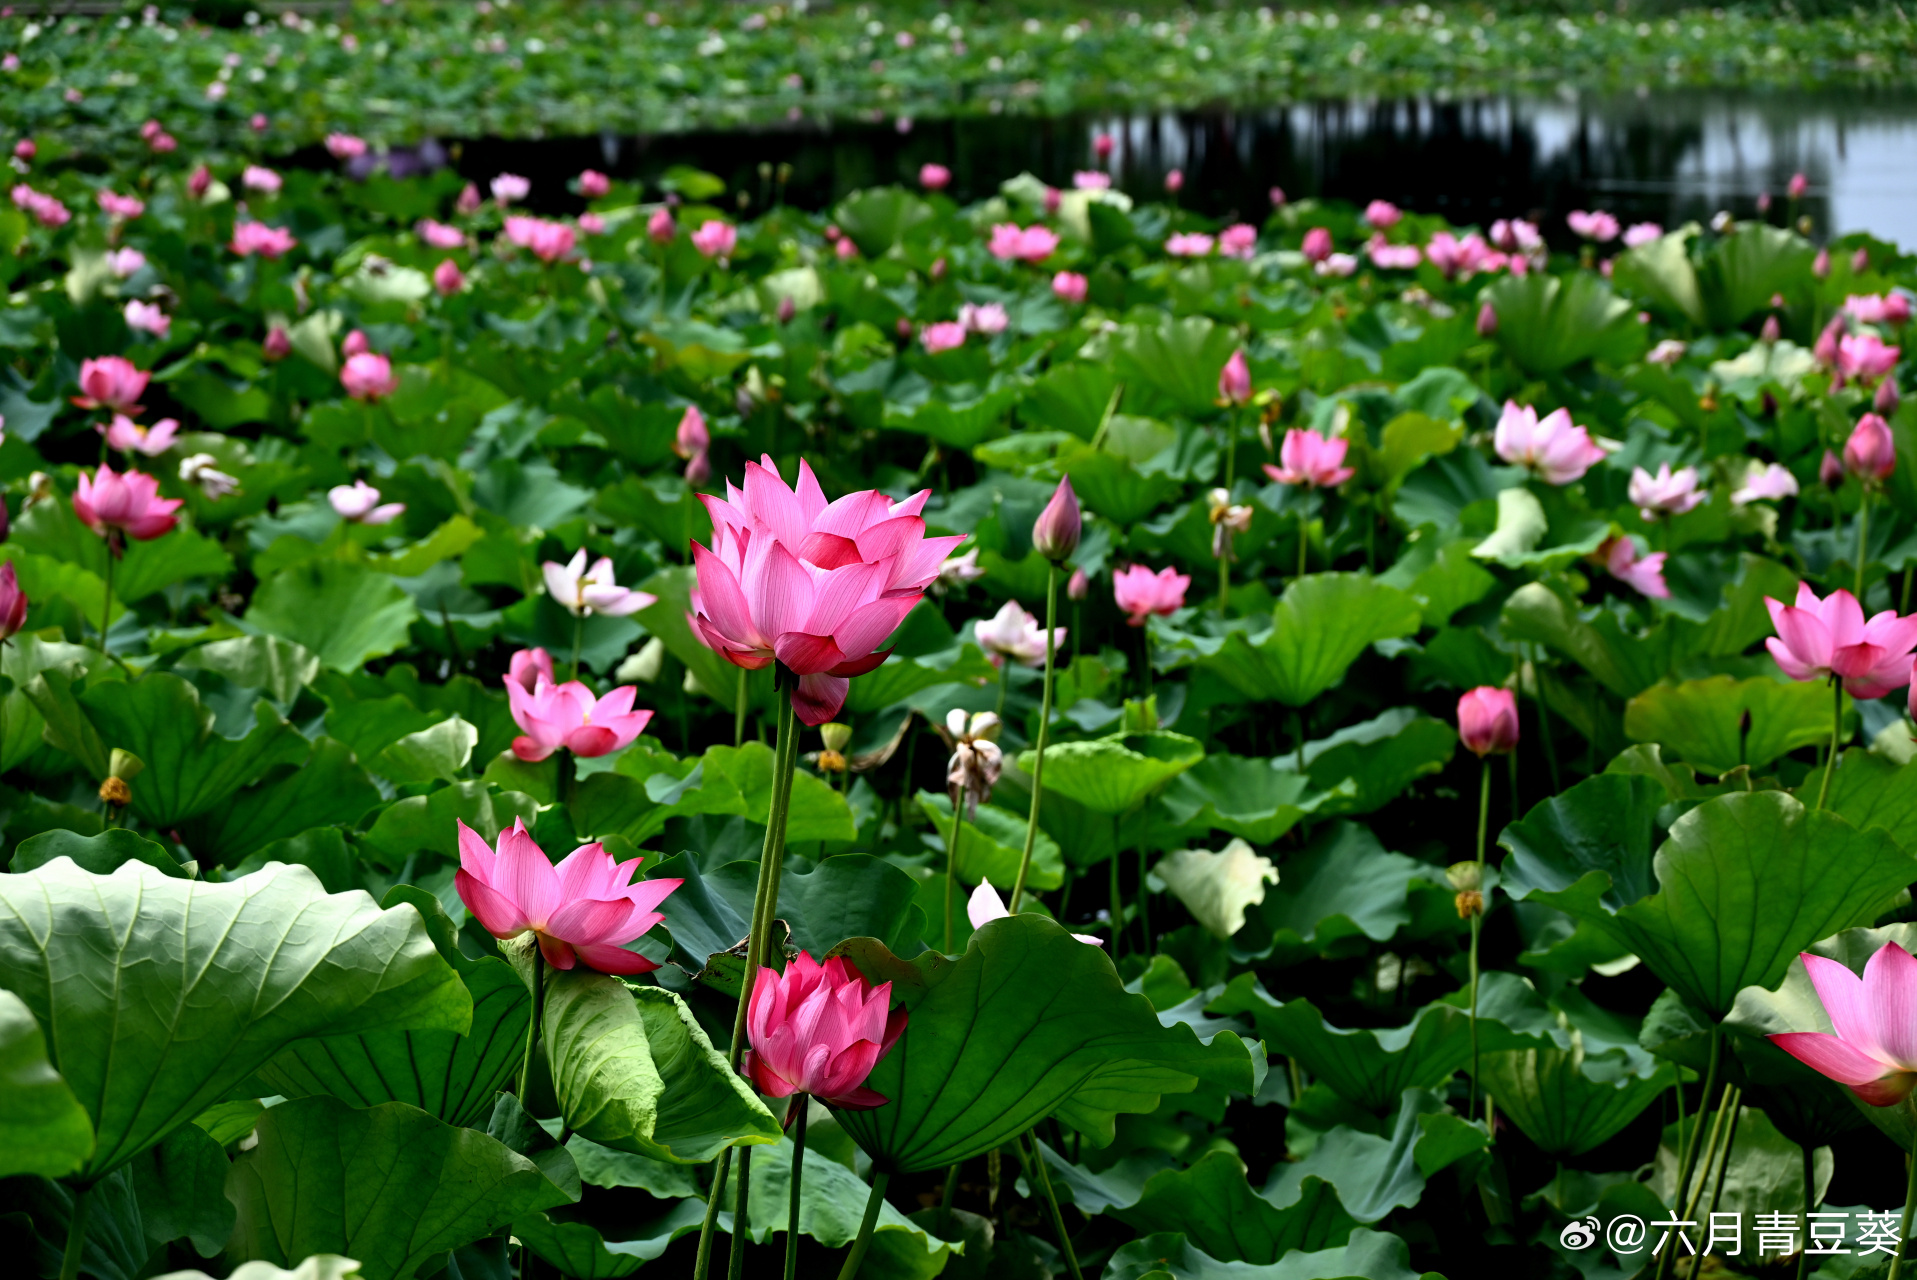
(1477, 672)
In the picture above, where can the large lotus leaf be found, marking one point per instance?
(900, 678)
(1548, 323)
(1746, 881)
(1742, 619)
(445, 1074)
(1343, 888)
(342, 612)
(1174, 365)
(960, 424)
(102, 854)
(1113, 486)
(1590, 846)
(1625, 664)
(1169, 1255)
(1764, 1179)
(1247, 797)
(1441, 575)
(991, 847)
(577, 1250)
(633, 1070)
(1732, 281)
(851, 895)
(1660, 272)
(426, 824)
(1216, 887)
(327, 789)
(879, 218)
(1872, 792)
(1028, 1022)
(817, 812)
(1117, 774)
(21, 659)
(1702, 721)
(831, 1202)
(1380, 758)
(1323, 622)
(278, 668)
(1375, 1174)
(120, 969)
(43, 1128)
(321, 1266)
(389, 1185)
(1567, 1102)
(181, 1185)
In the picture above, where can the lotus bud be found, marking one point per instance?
(1488, 720)
(1771, 331)
(1831, 470)
(904, 329)
(1056, 532)
(355, 344)
(787, 309)
(199, 182)
(1798, 186)
(1886, 399)
(1174, 182)
(1053, 196)
(1871, 453)
(1079, 586)
(13, 601)
(1763, 203)
(278, 345)
(1234, 380)
(1860, 262)
(1820, 265)
(1487, 320)
(938, 269)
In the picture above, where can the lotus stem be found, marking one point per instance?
(738, 711)
(873, 1204)
(1711, 1150)
(951, 864)
(703, 1262)
(1304, 536)
(1836, 730)
(1544, 723)
(1477, 919)
(1810, 1203)
(945, 1200)
(106, 605)
(1044, 1179)
(1144, 902)
(741, 1228)
(1224, 583)
(1903, 1232)
(532, 1028)
(1044, 731)
(579, 641)
(1691, 1148)
(1118, 910)
(1723, 1165)
(802, 1104)
(1863, 542)
(77, 1232)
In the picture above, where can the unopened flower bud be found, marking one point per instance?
(1079, 586)
(1831, 470)
(1056, 532)
(1487, 320)
(1820, 265)
(1886, 400)
(787, 309)
(278, 345)
(1771, 331)
(1860, 262)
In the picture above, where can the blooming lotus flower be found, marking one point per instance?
(1770, 481)
(1393, 257)
(439, 235)
(368, 377)
(1598, 226)
(943, 336)
(1871, 451)
(527, 667)
(1338, 265)
(985, 906)
(203, 470)
(987, 319)
(1310, 459)
(1014, 633)
(958, 570)
(1234, 380)
(1666, 353)
(261, 179)
(1667, 493)
(1317, 244)
(256, 237)
(1056, 532)
(124, 208)
(130, 503)
(1488, 720)
(1642, 233)
(934, 177)
(13, 602)
(1382, 214)
(1141, 593)
(1645, 573)
(1069, 286)
(819, 1029)
(581, 911)
(1817, 639)
(124, 262)
(1240, 240)
(147, 318)
(508, 187)
(1189, 244)
(716, 239)
(1874, 1050)
(1516, 236)
(1552, 447)
(549, 241)
(129, 436)
(448, 279)
(111, 382)
(584, 591)
(592, 224)
(1893, 308)
(1011, 242)
(359, 502)
(1091, 180)
(814, 585)
(593, 184)
(46, 210)
(1799, 184)
(344, 146)
(1865, 357)
(567, 715)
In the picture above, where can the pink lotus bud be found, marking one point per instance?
(846, 250)
(1079, 586)
(13, 601)
(939, 269)
(934, 177)
(1799, 184)
(277, 345)
(25, 149)
(1102, 146)
(660, 228)
(1487, 320)
(1056, 532)
(1052, 198)
(1277, 195)
(1860, 262)
(1886, 400)
(593, 184)
(1234, 380)
(1831, 470)
(448, 278)
(904, 329)
(1174, 182)
(1771, 331)
(1763, 203)
(1488, 720)
(259, 123)
(787, 309)
(1069, 286)
(197, 184)
(1820, 265)
(368, 377)
(692, 437)
(698, 469)
(355, 343)
(469, 200)
(1871, 452)
(1317, 244)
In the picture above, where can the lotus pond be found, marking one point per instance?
(1051, 733)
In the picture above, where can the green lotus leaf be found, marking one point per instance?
(181, 1187)
(428, 824)
(1169, 1255)
(327, 789)
(1248, 797)
(1701, 721)
(1117, 774)
(1342, 890)
(321, 1266)
(1379, 758)
(1323, 622)
(1871, 792)
(343, 613)
(991, 848)
(1548, 323)
(278, 668)
(817, 812)
(1625, 664)
(102, 854)
(43, 1128)
(1567, 1102)
(579, 1251)
(831, 1201)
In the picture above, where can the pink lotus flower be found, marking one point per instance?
(1056, 532)
(959, 570)
(1799, 184)
(1516, 235)
(1865, 357)
(277, 345)
(359, 502)
(816, 586)
(439, 235)
(1014, 633)
(583, 591)
(468, 201)
(147, 318)
(691, 437)
(46, 209)
(1393, 257)
(1079, 586)
(1552, 447)
(592, 224)
(943, 336)
(111, 382)
(13, 603)
(1091, 180)
(1277, 197)
(1642, 233)
(987, 319)
(1070, 287)
(448, 279)
(344, 146)
(256, 237)
(1310, 459)
(1189, 244)
(1488, 720)
(716, 239)
(567, 715)
(1817, 639)
(1889, 308)
(1240, 240)
(819, 1029)
(1141, 593)
(1011, 242)
(1338, 265)
(1871, 451)
(527, 667)
(1383, 214)
(1462, 258)
(129, 436)
(1874, 1050)
(508, 187)
(124, 262)
(1102, 145)
(593, 184)
(549, 241)
(1646, 573)
(263, 180)
(130, 503)
(1317, 244)
(934, 177)
(660, 228)
(1769, 482)
(985, 906)
(1053, 198)
(1598, 226)
(368, 377)
(1234, 380)
(125, 208)
(1667, 493)
(354, 343)
(582, 911)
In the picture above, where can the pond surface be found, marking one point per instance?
(1659, 156)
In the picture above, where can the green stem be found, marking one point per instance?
(945, 1201)
(1144, 903)
(739, 712)
(579, 641)
(1477, 920)
(1118, 911)
(1691, 1148)
(951, 865)
(1723, 1167)
(1903, 1232)
(873, 1204)
(703, 1263)
(77, 1233)
(1726, 1105)
(741, 1228)
(532, 1028)
(1304, 537)
(1224, 577)
(1004, 678)
(1058, 1218)
(1836, 730)
(106, 608)
(1044, 731)
(1810, 1193)
(1863, 542)
(803, 1103)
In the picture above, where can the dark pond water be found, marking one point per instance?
(1663, 156)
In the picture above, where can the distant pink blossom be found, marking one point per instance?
(1317, 244)
(943, 336)
(439, 235)
(368, 377)
(256, 237)
(1645, 573)
(1011, 242)
(1069, 286)
(1597, 225)
(448, 279)
(934, 177)
(1864, 356)
(1382, 214)
(1091, 180)
(716, 239)
(1337, 264)
(1668, 493)
(508, 187)
(125, 208)
(1552, 447)
(344, 146)
(1174, 182)
(1889, 308)
(1642, 233)
(1769, 482)
(1141, 593)
(660, 228)
(1393, 257)
(359, 502)
(124, 262)
(129, 436)
(1516, 235)
(1240, 240)
(593, 184)
(1309, 459)
(261, 179)
(987, 319)
(1189, 244)
(147, 318)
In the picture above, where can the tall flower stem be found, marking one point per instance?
(741, 1228)
(1044, 1179)
(1477, 921)
(873, 1204)
(1304, 535)
(738, 711)
(1692, 1148)
(1836, 731)
(1224, 577)
(1004, 678)
(532, 1028)
(579, 642)
(77, 1233)
(951, 864)
(106, 606)
(1863, 542)
(1810, 1203)
(802, 1103)
(1903, 1232)
(1044, 731)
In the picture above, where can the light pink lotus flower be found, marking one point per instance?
(203, 471)
(129, 436)
(1011, 242)
(354, 343)
(942, 336)
(1817, 639)
(125, 208)
(1516, 236)
(439, 235)
(1865, 357)
(582, 911)
(448, 279)
(1667, 493)
(1070, 287)
(814, 585)
(277, 345)
(716, 239)
(1338, 265)
(567, 715)
(987, 319)
(1091, 180)
(1871, 452)
(1645, 573)
(468, 201)
(1189, 244)
(1488, 721)
(147, 318)
(1141, 593)
(527, 667)
(1079, 587)
(1640, 233)
(344, 146)
(959, 570)
(130, 503)
(592, 224)
(1551, 447)
(1666, 353)
(111, 382)
(1874, 1050)
(985, 906)
(1598, 226)
(508, 187)
(1240, 240)
(593, 184)
(261, 179)
(1312, 460)
(359, 502)
(934, 177)
(13, 603)
(1393, 257)
(1317, 244)
(124, 262)
(1768, 482)
(819, 1029)
(46, 210)
(1234, 380)
(1382, 214)
(583, 591)
(549, 241)
(368, 377)
(1889, 308)
(1459, 259)
(1799, 184)
(1014, 633)
(256, 237)
(660, 228)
